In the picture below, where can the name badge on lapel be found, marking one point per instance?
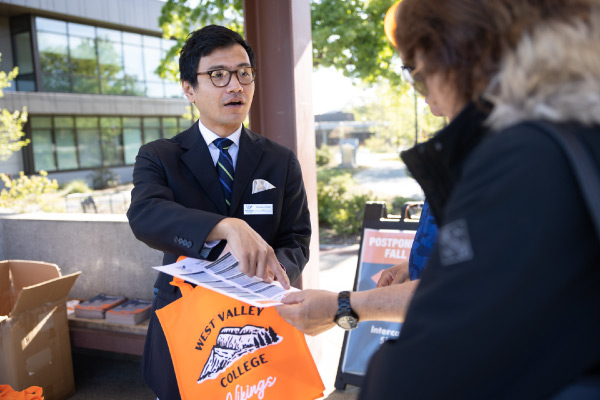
(258, 209)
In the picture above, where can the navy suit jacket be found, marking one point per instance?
(177, 200)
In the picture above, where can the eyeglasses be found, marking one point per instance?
(222, 77)
(414, 78)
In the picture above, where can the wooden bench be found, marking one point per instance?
(98, 334)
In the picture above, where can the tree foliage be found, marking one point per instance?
(178, 18)
(25, 193)
(347, 34)
(11, 123)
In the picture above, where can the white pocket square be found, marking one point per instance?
(260, 185)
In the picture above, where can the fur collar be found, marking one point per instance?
(553, 75)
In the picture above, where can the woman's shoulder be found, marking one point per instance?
(520, 145)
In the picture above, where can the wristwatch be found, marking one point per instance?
(345, 317)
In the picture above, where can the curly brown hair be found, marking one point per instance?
(466, 39)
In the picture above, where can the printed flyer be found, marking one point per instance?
(223, 276)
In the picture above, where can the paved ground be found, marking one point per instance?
(103, 375)
(338, 268)
(386, 176)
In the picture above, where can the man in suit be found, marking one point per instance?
(217, 185)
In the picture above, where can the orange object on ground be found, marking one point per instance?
(31, 393)
(225, 348)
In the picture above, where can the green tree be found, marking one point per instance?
(347, 34)
(11, 123)
(26, 193)
(178, 19)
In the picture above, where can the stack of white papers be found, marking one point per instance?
(224, 276)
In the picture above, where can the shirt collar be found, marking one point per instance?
(209, 136)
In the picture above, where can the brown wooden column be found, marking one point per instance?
(279, 32)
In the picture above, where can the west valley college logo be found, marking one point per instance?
(233, 343)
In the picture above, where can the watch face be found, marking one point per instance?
(347, 322)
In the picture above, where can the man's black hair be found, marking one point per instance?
(201, 43)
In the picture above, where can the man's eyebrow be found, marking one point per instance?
(214, 67)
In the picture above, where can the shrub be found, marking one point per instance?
(339, 208)
(103, 178)
(76, 186)
(324, 155)
(348, 218)
(397, 203)
(27, 193)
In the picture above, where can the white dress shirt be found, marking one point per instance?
(209, 137)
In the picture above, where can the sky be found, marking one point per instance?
(332, 91)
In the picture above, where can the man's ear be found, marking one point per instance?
(188, 90)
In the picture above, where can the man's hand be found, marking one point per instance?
(311, 311)
(255, 256)
(396, 274)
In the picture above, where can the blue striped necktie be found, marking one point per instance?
(225, 168)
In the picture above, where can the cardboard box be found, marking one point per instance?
(34, 331)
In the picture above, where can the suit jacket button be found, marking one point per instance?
(189, 245)
(175, 239)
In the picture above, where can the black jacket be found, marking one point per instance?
(437, 164)
(509, 304)
(177, 200)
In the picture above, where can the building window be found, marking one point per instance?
(151, 129)
(110, 57)
(134, 64)
(23, 58)
(169, 127)
(112, 141)
(53, 47)
(42, 144)
(81, 58)
(84, 58)
(132, 138)
(66, 146)
(88, 142)
(66, 143)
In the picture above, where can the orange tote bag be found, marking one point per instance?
(31, 393)
(223, 348)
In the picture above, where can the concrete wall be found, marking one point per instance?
(101, 246)
(47, 103)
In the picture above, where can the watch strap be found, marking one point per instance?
(344, 307)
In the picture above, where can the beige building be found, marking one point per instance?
(87, 77)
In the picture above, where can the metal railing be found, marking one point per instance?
(106, 203)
